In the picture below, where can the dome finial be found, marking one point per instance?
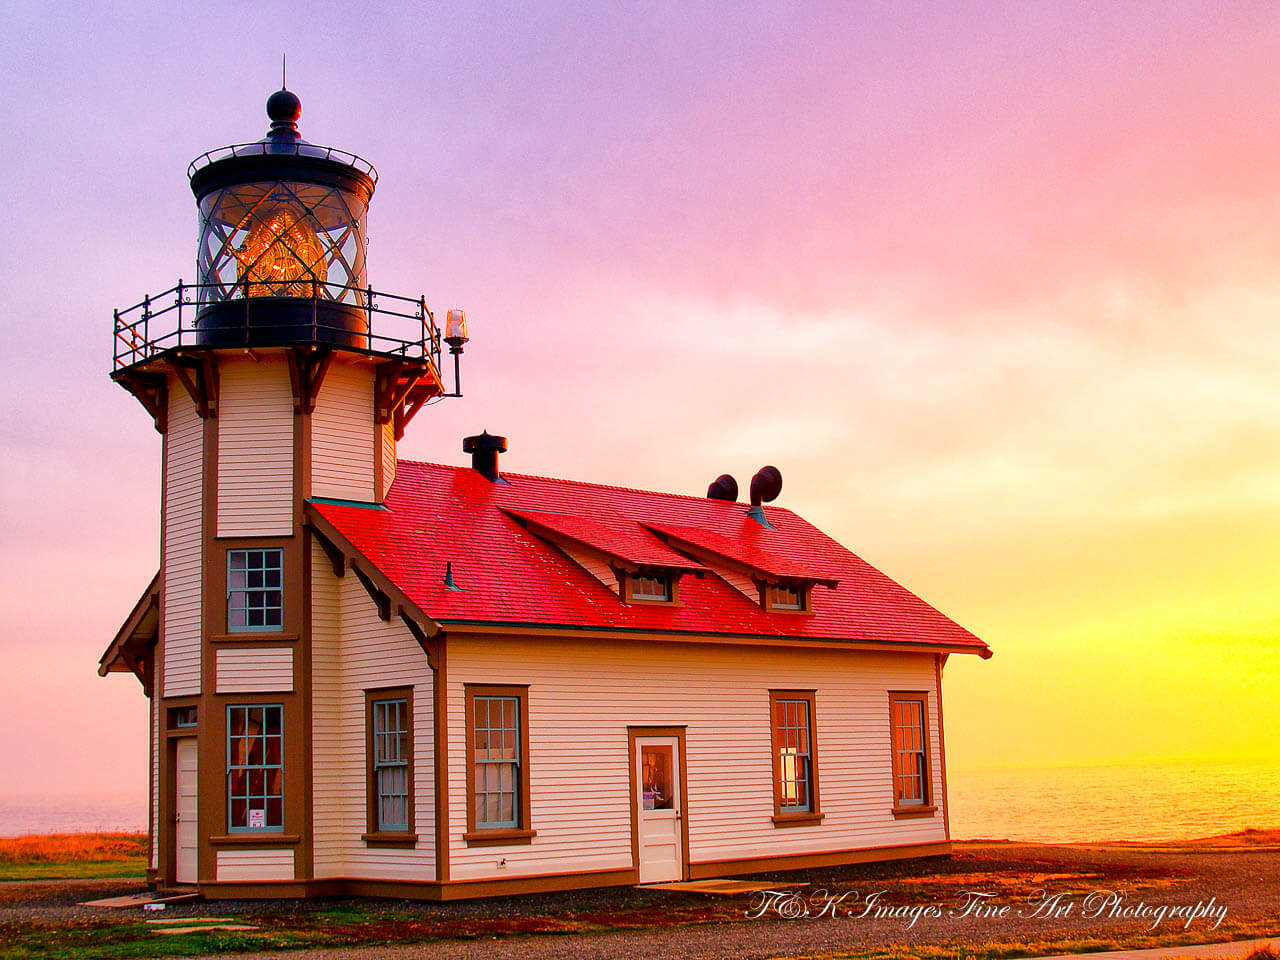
(284, 108)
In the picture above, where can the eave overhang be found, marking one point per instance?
(130, 649)
(507, 627)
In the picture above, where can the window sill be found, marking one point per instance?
(254, 635)
(906, 813)
(797, 819)
(389, 839)
(498, 838)
(256, 840)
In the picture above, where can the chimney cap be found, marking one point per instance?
(484, 442)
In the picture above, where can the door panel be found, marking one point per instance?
(659, 801)
(186, 823)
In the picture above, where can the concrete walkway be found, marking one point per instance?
(1239, 949)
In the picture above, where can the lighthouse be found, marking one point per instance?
(280, 376)
(377, 677)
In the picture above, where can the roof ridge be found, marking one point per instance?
(601, 486)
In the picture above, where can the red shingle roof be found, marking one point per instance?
(436, 514)
(624, 540)
(747, 551)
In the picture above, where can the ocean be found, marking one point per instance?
(1147, 802)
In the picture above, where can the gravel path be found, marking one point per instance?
(1245, 882)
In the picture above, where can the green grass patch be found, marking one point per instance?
(86, 870)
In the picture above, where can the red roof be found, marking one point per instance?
(745, 550)
(508, 575)
(624, 540)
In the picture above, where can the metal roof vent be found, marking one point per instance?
(484, 449)
(765, 487)
(723, 487)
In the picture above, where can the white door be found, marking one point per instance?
(186, 822)
(660, 797)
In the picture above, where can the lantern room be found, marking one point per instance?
(282, 221)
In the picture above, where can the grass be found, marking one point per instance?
(73, 856)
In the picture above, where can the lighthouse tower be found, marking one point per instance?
(279, 377)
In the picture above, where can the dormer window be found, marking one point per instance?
(650, 586)
(786, 598)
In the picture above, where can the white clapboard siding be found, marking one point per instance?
(254, 670)
(578, 749)
(183, 505)
(255, 448)
(341, 452)
(255, 865)
(387, 438)
(354, 651)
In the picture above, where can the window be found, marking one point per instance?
(786, 598)
(909, 735)
(183, 716)
(650, 586)
(255, 768)
(389, 716)
(254, 600)
(498, 775)
(795, 768)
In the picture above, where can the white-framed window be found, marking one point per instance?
(390, 730)
(497, 749)
(255, 601)
(255, 767)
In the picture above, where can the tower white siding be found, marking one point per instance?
(254, 670)
(255, 448)
(353, 651)
(183, 501)
(342, 454)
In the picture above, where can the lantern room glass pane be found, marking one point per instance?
(282, 239)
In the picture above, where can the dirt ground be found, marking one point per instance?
(988, 899)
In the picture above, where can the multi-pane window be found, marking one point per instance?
(781, 597)
(254, 599)
(497, 729)
(496, 761)
(255, 767)
(651, 586)
(793, 745)
(909, 736)
(390, 731)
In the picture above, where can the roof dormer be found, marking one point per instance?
(632, 562)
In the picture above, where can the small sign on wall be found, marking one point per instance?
(257, 819)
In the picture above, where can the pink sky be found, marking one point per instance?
(994, 285)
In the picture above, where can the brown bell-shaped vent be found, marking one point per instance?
(723, 487)
(765, 487)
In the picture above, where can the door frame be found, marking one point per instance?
(678, 732)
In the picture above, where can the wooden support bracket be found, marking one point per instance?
(430, 646)
(375, 593)
(337, 559)
(307, 368)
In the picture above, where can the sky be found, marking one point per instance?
(994, 285)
